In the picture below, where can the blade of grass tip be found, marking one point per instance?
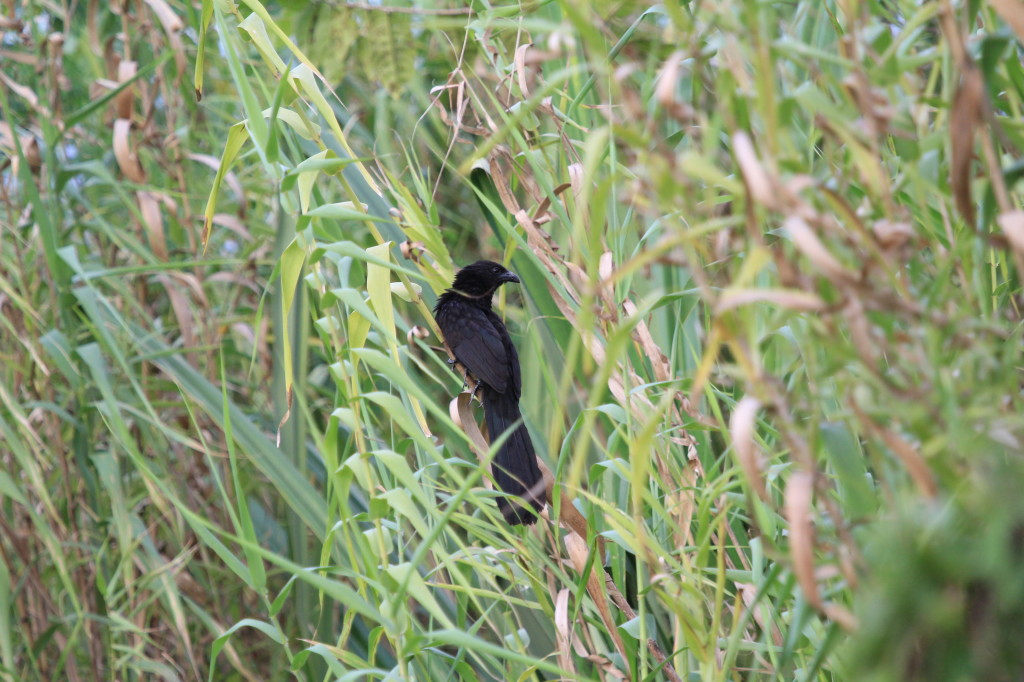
(292, 260)
(219, 643)
(237, 135)
(305, 180)
(331, 657)
(486, 194)
(256, 30)
(204, 25)
(259, 10)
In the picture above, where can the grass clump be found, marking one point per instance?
(769, 327)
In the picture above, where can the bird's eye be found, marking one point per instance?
(496, 269)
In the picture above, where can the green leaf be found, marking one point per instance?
(344, 210)
(237, 136)
(256, 31)
(266, 628)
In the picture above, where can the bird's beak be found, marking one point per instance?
(510, 277)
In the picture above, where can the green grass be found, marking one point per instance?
(770, 328)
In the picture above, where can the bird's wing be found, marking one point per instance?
(516, 387)
(479, 346)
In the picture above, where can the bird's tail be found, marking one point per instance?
(515, 464)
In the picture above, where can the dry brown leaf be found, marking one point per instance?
(606, 266)
(462, 414)
(289, 396)
(807, 242)
(232, 223)
(741, 430)
(964, 119)
(1012, 224)
(182, 311)
(127, 160)
(568, 515)
(172, 26)
(416, 332)
(99, 87)
(124, 100)
(681, 505)
(668, 78)
(169, 204)
(577, 275)
(29, 147)
(168, 19)
(563, 630)
(576, 181)
(543, 249)
(605, 270)
(912, 459)
(546, 107)
(411, 250)
(748, 593)
(194, 285)
(793, 299)
(665, 89)
(799, 496)
(864, 341)
(153, 222)
(579, 553)
(892, 234)
(616, 385)
(1012, 12)
(520, 67)
(6, 137)
(498, 159)
(19, 57)
(26, 93)
(841, 615)
(245, 330)
(607, 667)
(642, 335)
(236, 279)
(541, 246)
(759, 184)
(546, 201)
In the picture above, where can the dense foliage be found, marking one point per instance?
(770, 326)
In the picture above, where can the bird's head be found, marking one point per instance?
(482, 278)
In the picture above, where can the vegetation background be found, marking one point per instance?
(770, 326)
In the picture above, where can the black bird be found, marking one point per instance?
(480, 341)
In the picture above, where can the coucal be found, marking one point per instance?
(479, 340)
